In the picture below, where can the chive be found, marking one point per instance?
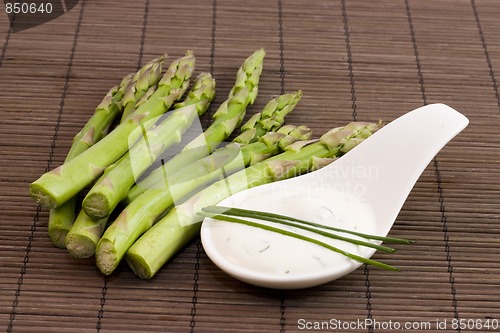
(299, 236)
(228, 214)
(272, 217)
(317, 231)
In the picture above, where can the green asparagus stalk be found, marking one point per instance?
(141, 213)
(203, 90)
(172, 232)
(55, 187)
(84, 234)
(231, 113)
(98, 125)
(144, 84)
(113, 186)
(60, 221)
(61, 218)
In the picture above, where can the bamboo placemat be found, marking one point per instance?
(364, 60)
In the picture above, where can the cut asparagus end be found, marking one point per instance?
(42, 197)
(96, 205)
(106, 258)
(84, 235)
(139, 266)
(146, 266)
(60, 221)
(80, 246)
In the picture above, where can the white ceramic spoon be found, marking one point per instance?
(363, 190)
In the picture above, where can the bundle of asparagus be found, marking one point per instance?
(157, 216)
(105, 195)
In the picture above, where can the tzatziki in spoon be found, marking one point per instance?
(362, 191)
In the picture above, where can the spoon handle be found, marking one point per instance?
(385, 167)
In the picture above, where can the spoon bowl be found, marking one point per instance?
(363, 190)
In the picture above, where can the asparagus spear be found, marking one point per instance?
(144, 84)
(231, 113)
(60, 221)
(98, 125)
(117, 179)
(155, 247)
(141, 213)
(84, 234)
(55, 187)
(61, 218)
(269, 119)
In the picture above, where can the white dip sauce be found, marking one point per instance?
(268, 252)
